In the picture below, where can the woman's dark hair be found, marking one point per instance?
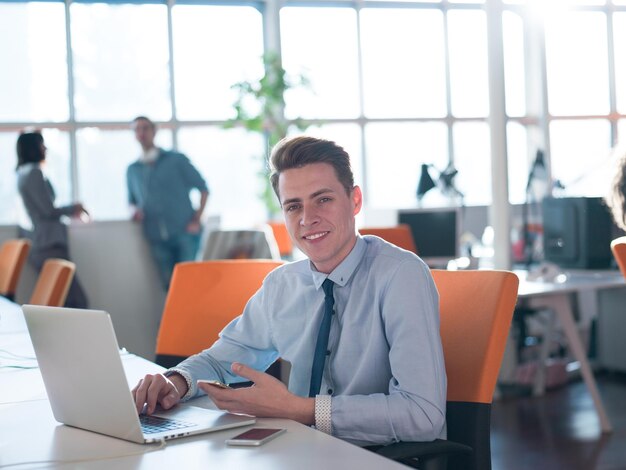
(29, 148)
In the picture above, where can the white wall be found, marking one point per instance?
(115, 267)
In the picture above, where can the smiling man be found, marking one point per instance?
(358, 321)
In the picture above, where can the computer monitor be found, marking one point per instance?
(436, 233)
(577, 232)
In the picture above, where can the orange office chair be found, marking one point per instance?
(476, 308)
(13, 254)
(618, 247)
(204, 296)
(285, 246)
(400, 235)
(53, 283)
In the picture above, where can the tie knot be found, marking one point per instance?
(327, 285)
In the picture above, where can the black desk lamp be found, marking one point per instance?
(537, 171)
(445, 179)
(425, 183)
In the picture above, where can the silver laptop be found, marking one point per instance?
(80, 363)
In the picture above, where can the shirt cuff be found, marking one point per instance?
(185, 375)
(323, 411)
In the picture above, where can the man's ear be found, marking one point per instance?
(357, 199)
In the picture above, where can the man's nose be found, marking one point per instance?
(309, 215)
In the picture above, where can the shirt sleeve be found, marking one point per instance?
(37, 192)
(191, 175)
(247, 340)
(323, 411)
(413, 409)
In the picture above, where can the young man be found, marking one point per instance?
(382, 371)
(159, 183)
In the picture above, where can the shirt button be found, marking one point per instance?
(330, 391)
(328, 352)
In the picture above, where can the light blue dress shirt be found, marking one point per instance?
(385, 371)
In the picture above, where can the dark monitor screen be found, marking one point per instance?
(577, 232)
(436, 233)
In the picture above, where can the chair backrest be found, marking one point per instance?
(202, 299)
(13, 254)
(53, 283)
(618, 247)
(476, 308)
(400, 235)
(285, 246)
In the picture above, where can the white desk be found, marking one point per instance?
(29, 433)
(556, 297)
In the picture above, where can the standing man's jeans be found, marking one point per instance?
(167, 253)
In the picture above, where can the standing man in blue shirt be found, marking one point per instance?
(159, 183)
(382, 377)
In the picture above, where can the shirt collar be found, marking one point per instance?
(150, 156)
(342, 273)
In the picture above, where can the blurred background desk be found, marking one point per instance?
(29, 432)
(555, 295)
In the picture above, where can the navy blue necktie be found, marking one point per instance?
(322, 339)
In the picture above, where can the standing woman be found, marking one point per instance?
(49, 233)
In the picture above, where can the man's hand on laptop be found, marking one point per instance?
(267, 398)
(156, 389)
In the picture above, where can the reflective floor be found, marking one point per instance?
(561, 430)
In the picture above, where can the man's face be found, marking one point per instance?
(319, 214)
(144, 133)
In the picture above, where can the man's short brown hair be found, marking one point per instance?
(296, 152)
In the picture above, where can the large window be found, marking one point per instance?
(329, 61)
(404, 69)
(214, 47)
(120, 55)
(397, 83)
(33, 82)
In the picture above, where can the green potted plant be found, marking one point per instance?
(259, 107)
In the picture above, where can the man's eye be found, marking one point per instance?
(291, 208)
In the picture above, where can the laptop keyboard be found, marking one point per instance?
(154, 424)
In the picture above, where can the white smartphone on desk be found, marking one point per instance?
(255, 437)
